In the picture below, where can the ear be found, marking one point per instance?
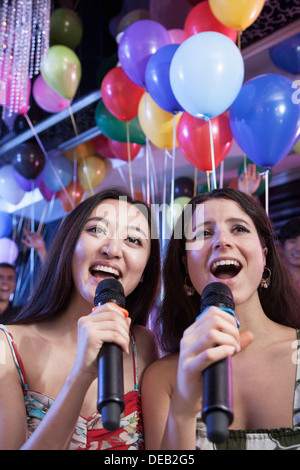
(265, 252)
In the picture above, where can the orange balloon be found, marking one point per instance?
(82, 150)
(157, 123)
(91, 172)
(75, 192)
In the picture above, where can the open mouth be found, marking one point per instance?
(100, 271)
(225, 269)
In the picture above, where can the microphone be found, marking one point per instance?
(217, 409)
(110, 361)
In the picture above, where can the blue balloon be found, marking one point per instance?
(5, 224)
(264, 120)
(286, 55)
(157, 78)
(58, 173)
(206, 74)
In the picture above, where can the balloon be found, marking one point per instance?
(91, 172)
(237, 15)
(61, 70)
(115, 129)
(8, 251)
(9, 189)
(157, 124)
(201, 19)
(286, 54)
(177, 36)
(158, 78)
(29, 160)
(101, 145)
(206, 74)
(46, 192)
(169, 13)
(264, 121)
(297, 147)
(132, 17)
(48, 99)
(120, 149)
(65, 28)
(121, 95)
(178, 206)
(75, 192)
(183, 187)
(23, 103)
(138, 43)
(28, 184)
(58, 172)
(194, 140)
(6, 225)
(81, 150)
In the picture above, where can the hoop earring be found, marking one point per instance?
(189, 289)
(265, 282)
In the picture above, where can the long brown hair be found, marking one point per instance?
(280, 302)
(54, 286)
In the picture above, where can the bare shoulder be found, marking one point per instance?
(162, 372)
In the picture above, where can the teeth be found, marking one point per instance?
(225, 262)
(107, 269)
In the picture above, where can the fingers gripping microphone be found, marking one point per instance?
(110, 362)
(217, 384)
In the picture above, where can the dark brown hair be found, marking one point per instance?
(280, 302)
(54, 286)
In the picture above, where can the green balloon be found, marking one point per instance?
(65, 28)
(61, 70)
(115, 129)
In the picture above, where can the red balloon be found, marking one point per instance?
(120, 94)
(120, 149)
(100, 143)
(193, 137)
(75, 191)
(201, 19)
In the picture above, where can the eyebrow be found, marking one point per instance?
(131, 227)
(231, 220)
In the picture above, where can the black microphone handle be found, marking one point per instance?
(217, 400)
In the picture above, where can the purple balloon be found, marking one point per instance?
(139, 42)
(25, 183)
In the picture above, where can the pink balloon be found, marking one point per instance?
(177, 36)
(8, 251)
(48, 99)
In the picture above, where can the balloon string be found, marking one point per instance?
(239, 38)
(129, 159)
(212, 155)
(208, 180)
(221, 174)
(32, 230)
(267, 191)
(147, 158)
(173, 173)
(82, 156)
(195, 181)
(163, 229)
(46, 157)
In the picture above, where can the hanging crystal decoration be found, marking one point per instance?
(24, 42)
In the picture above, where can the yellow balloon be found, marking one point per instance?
(173, 213)
(296, 148)
(91, 172)
(156, 123)
(236, 14)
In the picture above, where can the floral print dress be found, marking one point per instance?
(89, 433)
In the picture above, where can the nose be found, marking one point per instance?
(221, 240)
(112, 248)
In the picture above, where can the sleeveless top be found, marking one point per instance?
(89, 433)
(261, 439)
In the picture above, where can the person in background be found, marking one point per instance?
(289, 238)
(35, 240)
(48, 384)
(7, 287)
(249, 180)
(226, 238)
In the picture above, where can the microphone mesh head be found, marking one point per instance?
(109, 290)
(217, 294)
